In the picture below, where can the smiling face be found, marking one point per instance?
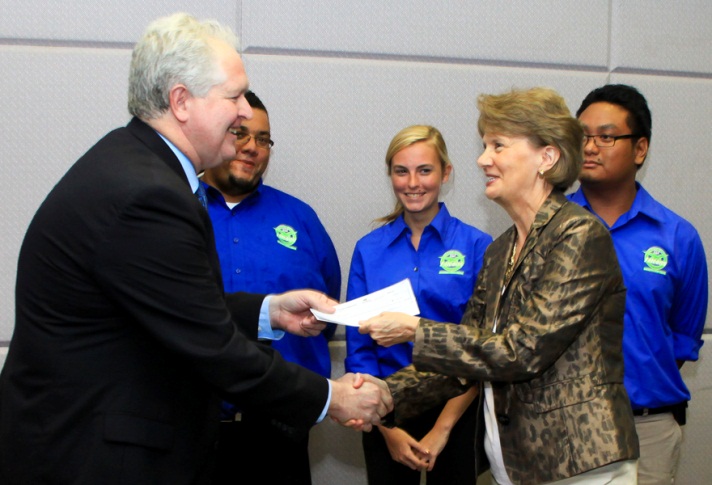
(237, 178)
(610, 165)
(511, 165)
(416, 176)
(210, 119)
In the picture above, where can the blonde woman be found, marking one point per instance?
(441, 256)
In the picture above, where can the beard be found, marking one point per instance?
(240, 186)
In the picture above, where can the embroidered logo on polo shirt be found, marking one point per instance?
(655, 260)
(452, 262)
(286, 236)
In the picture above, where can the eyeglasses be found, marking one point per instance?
(606, 141)
(262, 141)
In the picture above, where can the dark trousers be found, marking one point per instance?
(454, 466)
(258, 448)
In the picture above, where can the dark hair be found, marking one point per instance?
(628, 98)
(254, 101)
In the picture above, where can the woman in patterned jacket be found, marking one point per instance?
(543, 329)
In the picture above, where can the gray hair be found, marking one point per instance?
(174, 50)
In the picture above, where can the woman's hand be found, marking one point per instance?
(434, 442)
(404, 448)
(390, 328)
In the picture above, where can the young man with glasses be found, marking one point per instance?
(269, 241)
(664, 269)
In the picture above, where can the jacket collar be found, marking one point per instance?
(546, 212)
(548, 209)
(149, 137)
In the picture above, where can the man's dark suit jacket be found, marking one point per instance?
(124, 342)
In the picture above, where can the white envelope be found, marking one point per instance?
(395, 298)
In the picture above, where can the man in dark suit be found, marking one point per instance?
(124, 342)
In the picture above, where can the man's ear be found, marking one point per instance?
(179, 99)
(641, 150)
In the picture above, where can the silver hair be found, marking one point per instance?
(174, 50)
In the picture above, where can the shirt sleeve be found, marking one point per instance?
(326, 406)
(689, 310)
(265, 330)
(360, 349)
(330, 272)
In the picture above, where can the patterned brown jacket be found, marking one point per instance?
(555, 358)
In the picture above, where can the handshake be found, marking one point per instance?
(359, 401)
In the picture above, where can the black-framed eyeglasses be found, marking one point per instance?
(606, 141)
(261, 140)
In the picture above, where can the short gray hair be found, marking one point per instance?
(174, 50)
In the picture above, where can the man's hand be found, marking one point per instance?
(359, 401)
(390, 328)
(290, 311)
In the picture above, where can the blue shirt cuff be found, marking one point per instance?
(264, 328)
(326, 407)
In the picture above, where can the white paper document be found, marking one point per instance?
(395, 298)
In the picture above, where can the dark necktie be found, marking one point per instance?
(201, 195)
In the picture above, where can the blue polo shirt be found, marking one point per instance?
(665, 272)
(442, 272)
(272, 242)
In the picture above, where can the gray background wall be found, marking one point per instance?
(340, 79)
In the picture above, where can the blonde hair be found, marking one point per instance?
(540, 115)
(408, 136)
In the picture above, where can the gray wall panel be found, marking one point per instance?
(695, 467)
(484, 30)
(662, 36)
(56, 103)
(92, 21)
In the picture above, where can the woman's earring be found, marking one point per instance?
(541, 172)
